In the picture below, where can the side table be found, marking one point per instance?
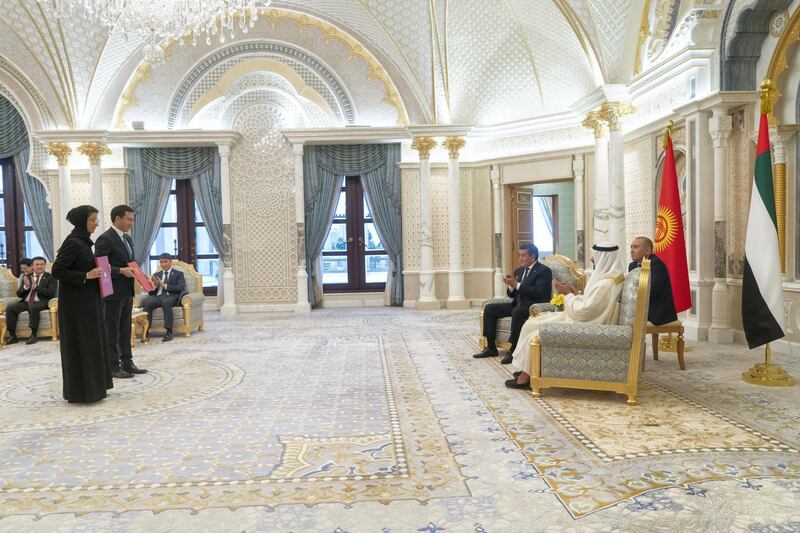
(139, 323)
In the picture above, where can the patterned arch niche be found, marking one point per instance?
(292, 80)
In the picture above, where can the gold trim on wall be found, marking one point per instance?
(302, 22)
(778, 63)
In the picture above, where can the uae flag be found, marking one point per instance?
(670, 244)
(762, 294)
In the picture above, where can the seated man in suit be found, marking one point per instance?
(35, 292)
(25, 268)
(169, 286)
(662, 306)
(531, 283)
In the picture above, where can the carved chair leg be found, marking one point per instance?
(631, 399)
(681, 343)
(655, 346)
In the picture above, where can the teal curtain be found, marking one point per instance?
(34, 195)
(152, 172)
(384, 194)
(14, 143)
(13, 133)
(323, 169)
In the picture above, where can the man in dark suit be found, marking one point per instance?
(531, 283)
(169, 286)
(117, 245)
(662, 306)
(35, 292)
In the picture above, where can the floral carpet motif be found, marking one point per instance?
(595, 451)
(380, 420)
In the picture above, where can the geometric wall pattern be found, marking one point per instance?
(263, 218)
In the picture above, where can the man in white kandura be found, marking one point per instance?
(598, 305)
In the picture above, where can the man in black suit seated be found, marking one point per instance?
(117, 244)
(35, 291)
(531, 283)
(169, 286)
(662, 306)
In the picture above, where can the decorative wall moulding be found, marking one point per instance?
(141, 138)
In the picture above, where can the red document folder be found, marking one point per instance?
(106, 287)
(143, 280)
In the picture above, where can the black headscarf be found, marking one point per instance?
(78, 217)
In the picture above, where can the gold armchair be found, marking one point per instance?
(564, 269)
(48, 318)
(596, 356)
(188, 314)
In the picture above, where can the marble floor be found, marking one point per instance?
(379, 420)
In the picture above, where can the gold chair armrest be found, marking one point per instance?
(3, 306)
(53, 304)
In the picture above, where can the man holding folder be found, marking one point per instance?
(117, 245)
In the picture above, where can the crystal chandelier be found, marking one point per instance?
(159, 22)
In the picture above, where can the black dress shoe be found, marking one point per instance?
(33, 339)
(12, 340)
(120, 374)
(507, 359)
(167, 337)
(517, 373)
(487, 352)
(131, 368)
(512, 384)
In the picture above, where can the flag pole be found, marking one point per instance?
(767, 373)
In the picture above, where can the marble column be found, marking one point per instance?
(497, 198)
(580, 234)
(455, 271)
(427, 282)
(612, 113)
(600, 181)
(62, 151)
(302, 306)
(703, 183)
(94, 151)
(227, 280)
(719, 128)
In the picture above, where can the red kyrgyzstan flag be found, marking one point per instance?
(670, 244)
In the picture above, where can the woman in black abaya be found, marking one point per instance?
(80, 314)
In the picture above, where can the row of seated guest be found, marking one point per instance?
(35, 289)
(169, 284)
(598, 304)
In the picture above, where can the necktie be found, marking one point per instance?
(32, 294)
(524, 275)
(166, 280)
(128, 244)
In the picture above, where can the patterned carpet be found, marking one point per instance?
(379, 420)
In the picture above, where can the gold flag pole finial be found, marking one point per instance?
(766, 94)
(668, 134)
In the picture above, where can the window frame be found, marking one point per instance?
(356, 252)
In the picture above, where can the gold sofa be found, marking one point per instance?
(596, 356)
(564, 269)
(48, 318)
(188, 315)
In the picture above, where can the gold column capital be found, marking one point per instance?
(423, 145)
(612, 113)
(94, 150)
(454, 146)
(593, 121)
(766, 93)
(61, 151)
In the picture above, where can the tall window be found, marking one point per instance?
(353, 256)
(183, 234)
(17, 239)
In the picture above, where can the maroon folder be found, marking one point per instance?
(106, 287)
(143, 280)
